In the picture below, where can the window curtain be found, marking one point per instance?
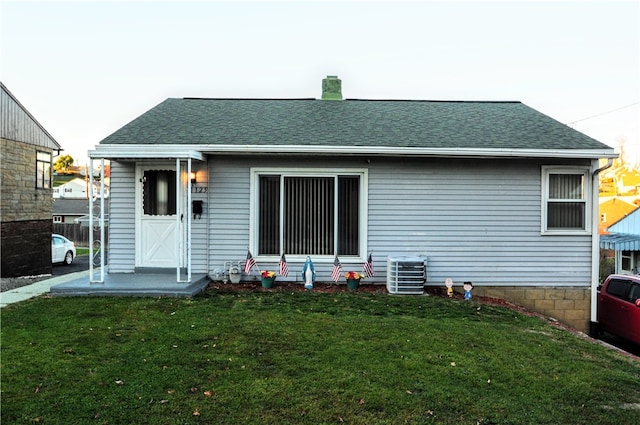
(159, 192)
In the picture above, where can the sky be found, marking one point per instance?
(84, 69)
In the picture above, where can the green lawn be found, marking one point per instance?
(303, 358)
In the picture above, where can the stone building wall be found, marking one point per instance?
(25, 212)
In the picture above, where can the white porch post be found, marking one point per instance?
(178, 233)
(102, 245)
(101, 222)
(91, 279)
(189, 214)
(180, 212)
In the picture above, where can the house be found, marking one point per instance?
(494, 193)
(623, 237)
(27, 150)
(627, 180)
(73, 211)
(612, 210)
(77, 189)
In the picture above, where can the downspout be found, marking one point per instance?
(595, 245)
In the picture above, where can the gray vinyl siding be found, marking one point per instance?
(474, 220)
(200, 226)
(122, 218)
(228, 211)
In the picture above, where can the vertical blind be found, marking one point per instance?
(305, 219)
(566, 205)
(308, 218)
(269, 215)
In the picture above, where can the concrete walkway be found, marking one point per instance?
(38, 288)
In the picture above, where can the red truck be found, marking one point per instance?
(619, 306)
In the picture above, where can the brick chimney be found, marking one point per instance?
(331, 88)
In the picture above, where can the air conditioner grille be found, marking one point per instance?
(406, 275)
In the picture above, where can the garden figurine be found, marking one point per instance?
(449, 284)
(468, 286)
(309, 273)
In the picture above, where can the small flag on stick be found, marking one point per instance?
(337, 269)
(368, 267)
(284, 269)
(249, 263)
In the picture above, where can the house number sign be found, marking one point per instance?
(199, 189)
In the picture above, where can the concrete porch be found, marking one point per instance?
(140, 284)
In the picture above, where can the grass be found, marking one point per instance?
(306, 358)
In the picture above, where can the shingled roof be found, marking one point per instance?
(368, 124)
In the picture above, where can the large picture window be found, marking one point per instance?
(566, 194)
(316, 214)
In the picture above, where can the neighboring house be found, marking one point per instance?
(77, 189)
(67, 210)
(612, 210)
(26, 207)
(494, 193)
(71, 211)
(624, 238)
(622, 181)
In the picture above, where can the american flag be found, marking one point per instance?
(249, 263)
(367, 268)
(284, 269)
(337, 269)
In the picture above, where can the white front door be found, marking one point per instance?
(158, 228)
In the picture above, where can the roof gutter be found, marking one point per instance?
(170, 151)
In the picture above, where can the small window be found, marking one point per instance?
(565, 200)
(159, 192)
(43, 170)
(57, 219)
(625, 261)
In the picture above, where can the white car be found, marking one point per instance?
(62, 250)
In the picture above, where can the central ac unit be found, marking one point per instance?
(406, 275)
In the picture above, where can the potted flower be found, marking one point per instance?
(268, 277)
(353, 279)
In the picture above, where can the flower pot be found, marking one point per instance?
(353, 284)
(267, 282)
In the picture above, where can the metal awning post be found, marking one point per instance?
(178, 233)
(102, 245)
(91, 280)
(101, 222)
(189, 215)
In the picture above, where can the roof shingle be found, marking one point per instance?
(369, 123)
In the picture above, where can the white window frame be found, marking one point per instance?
(586, 199)
(57, 219)
(256, 172)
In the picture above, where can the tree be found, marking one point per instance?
(62, 164)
